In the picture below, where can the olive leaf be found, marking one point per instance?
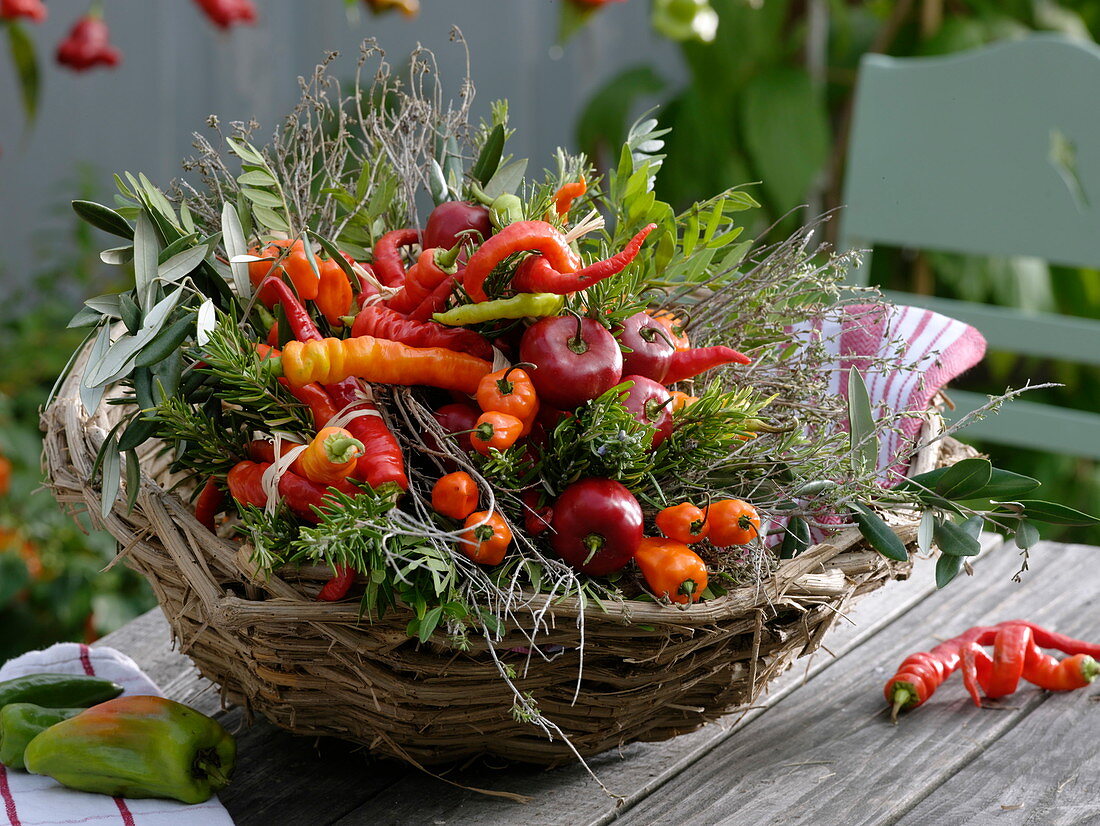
(1054, 514)
(133, 479)
(205, 322)
(506, 179)
(90, 393)
(235, 244)
(146, 253)
(112, 474)
(878, 534)
(861, 422)
(103, 218)
(489, 158)
(796, 538)
(1027, 535)
(964, 479)
(925, 532)
(117, 256)
(947, 568)
(954, 540)
(181, 264)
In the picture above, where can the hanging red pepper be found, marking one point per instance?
(432, 268)
(33, 10)
(209, 503)
(334, 293)
(566, 194)
(522, 236)
(337, 588)
(388, 266)
(88, 45)
(688, 363)
(537, 275)
(383, 322)
(224, 13)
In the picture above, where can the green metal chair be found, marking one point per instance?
(990, 152)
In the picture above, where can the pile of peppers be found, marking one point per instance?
(79, 731)
(419, 313)
(1017, 654)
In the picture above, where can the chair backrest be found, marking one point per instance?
(990, 152)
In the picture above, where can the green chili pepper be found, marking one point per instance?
(524, 305)
(139, 746)
(22, 722)
(58, 690)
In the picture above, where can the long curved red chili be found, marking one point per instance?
(384, 322)
(436, 300)
(537, 275)
(431, 269)
(522, 236)
(687, 363)
(245, 481)
(388, 266)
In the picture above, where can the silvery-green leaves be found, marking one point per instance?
(260, 187)
(861, 424)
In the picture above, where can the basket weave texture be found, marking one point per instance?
(649, 672)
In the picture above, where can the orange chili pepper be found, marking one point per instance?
(485, 543)
(675, 326)
(672, 569)
(330, 457)
(294, 264)
(566, 194)
(334, 292)
(496, 430)
(332, 360)
(455, 495)
(684, 523)
(509, 391)
(732, 522)
(5, 475)
(680, 400)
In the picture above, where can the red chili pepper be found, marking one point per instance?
(383, 322)
(224, 13)
(245, 481)
(537, 275)
(87, 45)
(688, 363)
(1010, 648)
(566, 194)
(209, 503)
(521, 236)
(388, 266)
(920, 674)
(317, 399)
(1069, 674)
(337, 588)
(436, 300)
(31, 9)
(1059, 642)
(298, 318)
(432, 268)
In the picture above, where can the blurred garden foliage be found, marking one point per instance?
(51, 582)
(770, 100)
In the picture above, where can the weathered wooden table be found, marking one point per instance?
(819, 747)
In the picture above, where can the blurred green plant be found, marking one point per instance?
(52, 583)
(770, 99)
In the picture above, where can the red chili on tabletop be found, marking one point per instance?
(87, 45)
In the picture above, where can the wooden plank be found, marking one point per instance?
(830, 746)
(638, 769)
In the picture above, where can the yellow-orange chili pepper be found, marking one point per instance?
(330, 457)
(332, 360)
(672, 569)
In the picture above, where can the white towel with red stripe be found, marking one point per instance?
(32, 800)
(905, 356)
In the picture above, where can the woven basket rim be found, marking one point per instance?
(66, 412)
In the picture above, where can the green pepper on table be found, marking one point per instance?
(22, 722)
(138, 746)
(57, 690)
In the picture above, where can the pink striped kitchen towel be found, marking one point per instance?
(31, 800)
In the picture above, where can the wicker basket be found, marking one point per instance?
(649, 672)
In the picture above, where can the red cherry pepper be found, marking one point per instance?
(521, 236)
(380, 321)
(537, 275)
(597, 526)
(224, 13)
(687, 363)
(388, 266)
(87, 45)
(209, 503)
(337, 588)
(651, 346)
(31, 9)
(452, 221)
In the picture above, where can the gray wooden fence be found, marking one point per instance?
(177, 69)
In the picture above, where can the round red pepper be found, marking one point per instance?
(597, 526)
(575, 360)
(651, 404)
(650, 344)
